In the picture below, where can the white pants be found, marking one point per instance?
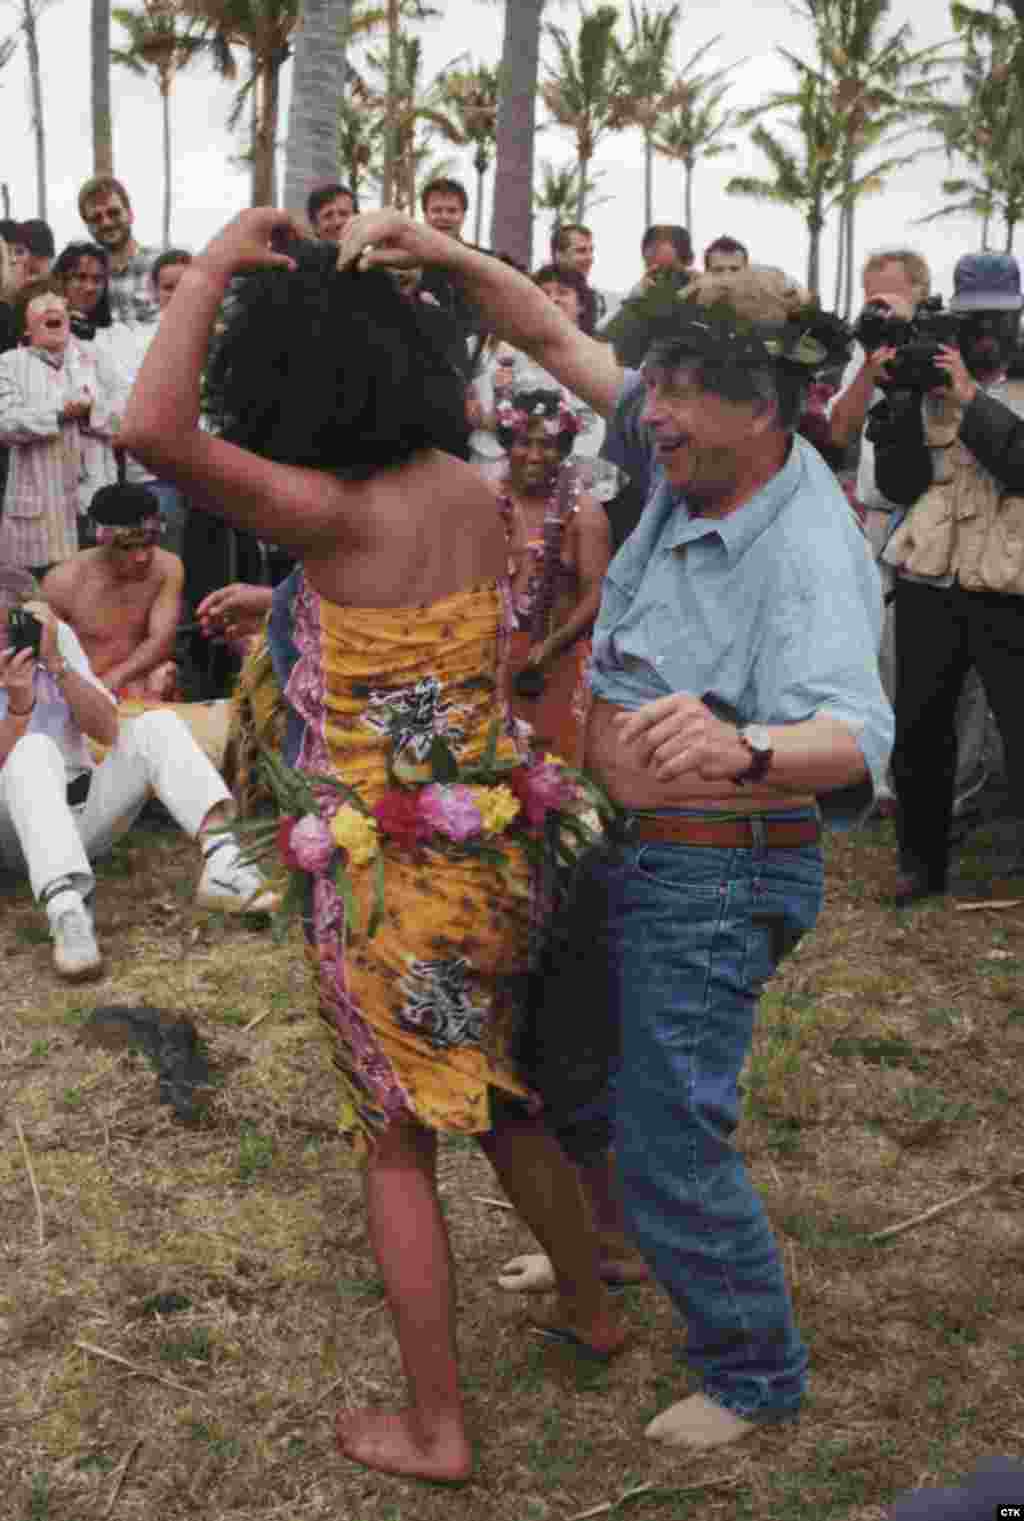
(40, 835)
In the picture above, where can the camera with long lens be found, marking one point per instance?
(917, 342)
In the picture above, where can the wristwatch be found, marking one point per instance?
(759, 742)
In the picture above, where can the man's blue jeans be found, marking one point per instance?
(693, 935)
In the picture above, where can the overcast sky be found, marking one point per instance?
(208, 189)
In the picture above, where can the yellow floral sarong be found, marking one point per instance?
(422, 1015)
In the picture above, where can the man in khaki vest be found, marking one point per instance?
(955, 458)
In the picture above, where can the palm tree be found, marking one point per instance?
(512, 210)
(102, 125)
(559, 192)
(472, 96)
(693, 120)
(581, 93)
(643, 67)
(360, 133)
(985, 129)
(881, 92)
(264, 28)
(414, 113)
(808, 178)
(318, 81)
(160, 40)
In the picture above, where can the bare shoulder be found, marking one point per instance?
(169, 567)
(60, 584)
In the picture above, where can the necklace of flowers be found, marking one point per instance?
(550, 810)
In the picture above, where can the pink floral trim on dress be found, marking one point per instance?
(370, 1069)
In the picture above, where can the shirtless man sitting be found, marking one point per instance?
(123, 598)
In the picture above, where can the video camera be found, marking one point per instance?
(917, 342)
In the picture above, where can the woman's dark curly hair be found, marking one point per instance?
(333, 369)
(540, 406)
(67, 261)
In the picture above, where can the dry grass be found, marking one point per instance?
(886, 1078)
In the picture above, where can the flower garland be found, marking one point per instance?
(549, 809)
(563, 423)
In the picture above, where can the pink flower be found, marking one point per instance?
(310, 844)
(450, 811)
(541, 788)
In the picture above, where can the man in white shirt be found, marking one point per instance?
(59, 810)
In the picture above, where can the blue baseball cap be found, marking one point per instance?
(986, 282)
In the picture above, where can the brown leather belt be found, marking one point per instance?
(727, 834)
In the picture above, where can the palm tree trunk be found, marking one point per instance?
(102, 128)
(582, 165)
(390, 176)
(318, 81)
(512, 215)
(1011, 223)
(165, 95)
(648, 180)
(849, 295)
(814, 225)
(840, 257)
(263, 137)
(688, 196)
(28, 23)
(481, 170)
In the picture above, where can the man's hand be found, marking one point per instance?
(962, 383)
(394, 241)
(16, 671)
(235, 611)
(48, 648)
(875, 364)
(248, 242)
(76, 411)
(678, 734)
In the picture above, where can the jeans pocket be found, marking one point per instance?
(694, 870)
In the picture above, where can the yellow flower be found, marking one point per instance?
(553, 760)
(356, 833)
(498, 806)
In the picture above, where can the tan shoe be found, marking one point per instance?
(697, 1422)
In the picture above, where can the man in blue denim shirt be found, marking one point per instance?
(735, 677)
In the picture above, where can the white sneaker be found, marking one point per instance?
(76, 956)
(233, 888)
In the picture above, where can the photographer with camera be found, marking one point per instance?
(59, 811)
(950, 448)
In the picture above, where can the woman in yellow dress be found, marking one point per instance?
(343, 440)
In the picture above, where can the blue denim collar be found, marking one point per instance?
(743, 527)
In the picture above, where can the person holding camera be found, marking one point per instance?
(59, 811)
(953, 453)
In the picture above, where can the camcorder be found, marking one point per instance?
(917, 342)
(24, 631)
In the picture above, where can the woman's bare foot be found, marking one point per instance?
(533, 1273)
(602, 1337)
(394, 1442)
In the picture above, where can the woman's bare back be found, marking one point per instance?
(413, 535)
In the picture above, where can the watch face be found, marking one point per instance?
(758, 738)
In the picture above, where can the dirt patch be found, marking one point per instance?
(227, 1262)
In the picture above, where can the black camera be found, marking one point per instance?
(917, 342)
(24, 631)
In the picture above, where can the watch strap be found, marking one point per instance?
(760, 761)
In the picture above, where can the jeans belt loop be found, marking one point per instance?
(758, 833)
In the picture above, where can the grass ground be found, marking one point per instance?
(228, 1264)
